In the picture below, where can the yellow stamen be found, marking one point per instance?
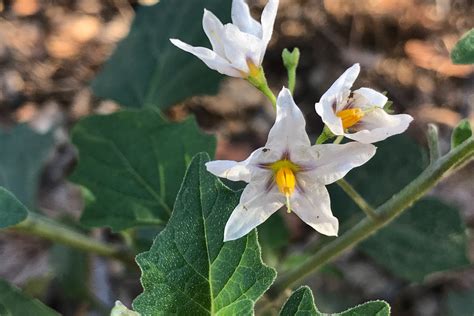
(350, 117)
(286, 182)
(254, 71)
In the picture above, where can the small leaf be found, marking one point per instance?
(463, 51)
(15, 303)
(147, 70)
(189, 270)
(12, 211)
(22, 154)
(461, 133)
(132, 164)
(301, 303)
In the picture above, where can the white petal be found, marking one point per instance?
(233, 170)
(241, 47)
(340, 89)
(255, 206)
(243, 20)
(377, 125)
(268, 21)
(313, 206)
(325, 109)
(332, 162)
(288, 132)
(367, 98)
(210, 58)
(214, 30)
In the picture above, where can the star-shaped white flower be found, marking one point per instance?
(288, 170)
(238, 48)
(358, 115)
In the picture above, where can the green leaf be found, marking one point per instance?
(12, 211)
(15, 303)
(190, 270)
(132, 164)
(273, 236)
(147, 70)
(463, 51)
(301, 303)
(460, 303)
(461, 133)
(22, 154)
(429, 230)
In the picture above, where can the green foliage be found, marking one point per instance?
(460, 303)
(301, 303)
(461, 133)
(147, 70)
(22, 154)
(132, 164)
(15, 303)
(273, 236)
(190, 270)
(12, 211)
(463, 51)
(429, 230)
(121, 310)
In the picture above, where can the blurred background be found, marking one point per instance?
(50, 50)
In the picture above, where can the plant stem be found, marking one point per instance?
(433, 142)
(269, 94)
(386, 213)
(49, 229)
(338, 139)
(358, 199)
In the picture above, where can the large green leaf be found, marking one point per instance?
(429, 230)
(463, 51)
(429, 237)
(22, 154)
(147, 70)
(133, 162)
(301, 303)
(12, 211)
(460, 303)
(14, 303)
(190, 270)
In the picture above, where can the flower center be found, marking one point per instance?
(285, 180)
(350, 117)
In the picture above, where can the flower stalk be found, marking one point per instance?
(38, 225)
(433, 142)
(358, 199)
(291, 61)
(259, 81)
(386, 213)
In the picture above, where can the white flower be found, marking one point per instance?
(238, 48)
(288, 170)
(358, 115)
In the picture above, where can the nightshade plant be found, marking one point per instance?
(139, 170)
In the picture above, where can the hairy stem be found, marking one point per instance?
(386, 213)
(49, 229)
(358, 199)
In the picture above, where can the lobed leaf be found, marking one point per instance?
(189, 270)
(301, 303)
(132, 164)
(147, 70)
